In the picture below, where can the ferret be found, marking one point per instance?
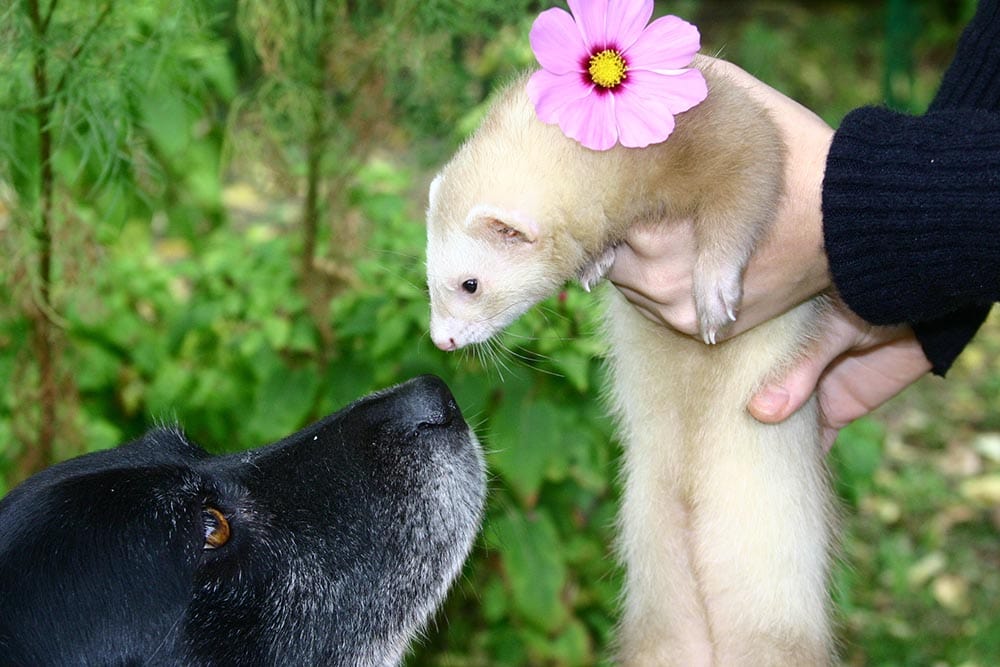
(726, 524)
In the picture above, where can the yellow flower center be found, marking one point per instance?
(607, 68)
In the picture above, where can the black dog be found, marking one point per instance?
(330, 547)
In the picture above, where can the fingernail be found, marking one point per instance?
(770, 402)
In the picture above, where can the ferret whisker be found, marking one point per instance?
(526, 357)
(520, 336)
(550, 311)
(495, 347)
(394, 253)
(394, 269)
(494, 315)
(480, 353)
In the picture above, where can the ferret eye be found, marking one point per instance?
(216, 528)
(470, 285)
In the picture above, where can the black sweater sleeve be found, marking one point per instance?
(972, 80)
(915, 210)
(911, 206)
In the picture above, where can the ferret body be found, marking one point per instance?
(726, 523)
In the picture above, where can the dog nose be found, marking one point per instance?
(426, 401)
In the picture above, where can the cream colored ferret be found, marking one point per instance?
(726, 523)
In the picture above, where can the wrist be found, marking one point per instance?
(805, 191)
(790, 265)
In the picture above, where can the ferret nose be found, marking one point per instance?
(446, 344)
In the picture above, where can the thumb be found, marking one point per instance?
(780, 398)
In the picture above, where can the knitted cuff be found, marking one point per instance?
(911, 214)
(944, 338)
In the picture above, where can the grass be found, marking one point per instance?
(920, 582)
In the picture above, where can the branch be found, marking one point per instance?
(78, 49)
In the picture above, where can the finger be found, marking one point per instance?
(860, 382)
(680, 317)
(779, 399)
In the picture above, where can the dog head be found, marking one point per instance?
(332, 546)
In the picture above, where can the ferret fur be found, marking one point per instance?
(726, 524)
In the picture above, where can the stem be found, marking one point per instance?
(310, 207)
(42, 328)
(314, 157)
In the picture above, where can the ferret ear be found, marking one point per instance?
(433, 192)
(497, 225)
(505, 230)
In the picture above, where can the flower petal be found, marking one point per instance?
(668, 43)
(591, 121)
(677, 91)
(557, 42)
(642, 121)
(647, 106)
(626, 25)
(591, 18)
(550, 93)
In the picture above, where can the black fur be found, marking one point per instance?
(344, 537)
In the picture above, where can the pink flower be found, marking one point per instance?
(607, 76)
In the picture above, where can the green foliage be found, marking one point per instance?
(181, 168)
(129, 87)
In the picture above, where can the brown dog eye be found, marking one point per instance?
(470, 285)
(216, 528)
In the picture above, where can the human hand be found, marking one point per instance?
(653, 267)
(854, 367)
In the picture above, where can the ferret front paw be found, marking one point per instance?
(594, 272)
(717, 295)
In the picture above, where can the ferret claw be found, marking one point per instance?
(717, 293)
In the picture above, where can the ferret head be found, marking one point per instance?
(515, 214)
(484, 271)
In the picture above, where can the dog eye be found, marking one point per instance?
(470, 285)
(216, 528)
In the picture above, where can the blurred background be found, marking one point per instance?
(211, 212)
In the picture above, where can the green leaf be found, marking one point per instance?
(277, 330)
(856, 456)
(493, 601)
(283, 401)
(573, 645)
(171, 382)
(575, 366)
(23, 165)
(100, 434)
(530, 551)
(391, 331)
(98, 367)
(525, 440)
(166, 118)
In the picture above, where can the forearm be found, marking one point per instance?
(911, 211)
